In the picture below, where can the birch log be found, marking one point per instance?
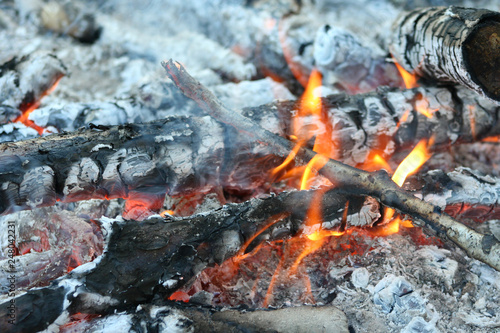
(451, 44)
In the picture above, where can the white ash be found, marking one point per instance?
(360, 277)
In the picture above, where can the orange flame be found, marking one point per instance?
(418, 156)
(28, 109)
(409, 79)
(422, 107)
(316, 163)
(310, 106)
(376, 162)
(167, 212)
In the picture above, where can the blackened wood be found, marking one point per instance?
(155, 257)
(451, 44)
(170, 155)
(349, 179)
(126, 161)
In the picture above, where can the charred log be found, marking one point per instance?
(175, 250)
(451, 44)
(349, 179)
(105, 163)
(170, 155)
(391, 120)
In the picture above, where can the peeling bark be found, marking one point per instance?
(451, 44)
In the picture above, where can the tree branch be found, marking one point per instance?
(351, 180)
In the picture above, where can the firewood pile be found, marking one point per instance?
(241, 166)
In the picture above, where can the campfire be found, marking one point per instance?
(237, 166)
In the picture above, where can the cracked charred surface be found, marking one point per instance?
(155, 257)
(169, 155)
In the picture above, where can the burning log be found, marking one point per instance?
(392, 120)
(175, 250)
(100, 165)
(124, 161)
(451, 44)
(349, 179)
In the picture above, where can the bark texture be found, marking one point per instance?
(389, 121)
(174, 155)
(451, 44)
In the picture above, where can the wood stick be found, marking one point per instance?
(351, 180)
(451, 44)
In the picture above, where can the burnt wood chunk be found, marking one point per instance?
(451, 44)
(181, 154)
(155, 257)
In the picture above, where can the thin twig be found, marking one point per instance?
(351, 180)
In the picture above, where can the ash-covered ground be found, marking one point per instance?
(110, 54)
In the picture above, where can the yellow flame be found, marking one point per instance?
(315, 164)
(310, 102)
(418, 156)
(422, 107)
(409, 79)
(320, 234)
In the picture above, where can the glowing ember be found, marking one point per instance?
(27, 109)
(167, 212)
(472, 121)
(492, 139)
(409, 79)
(422, 107)
(179, 296)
